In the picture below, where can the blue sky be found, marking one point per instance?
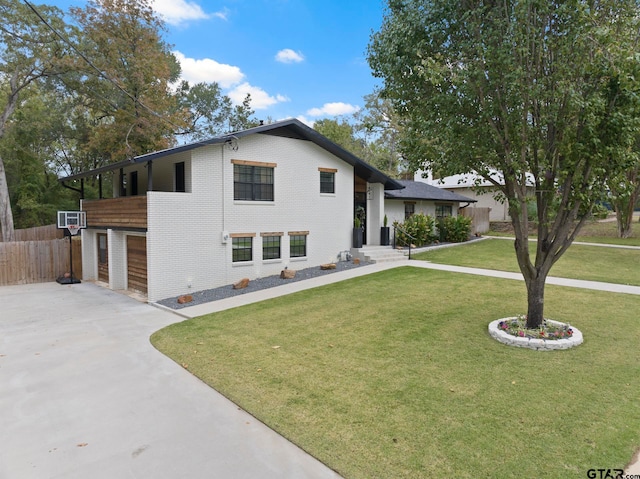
(304, 59)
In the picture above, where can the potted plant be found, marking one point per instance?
(384, 232)
(357, 233)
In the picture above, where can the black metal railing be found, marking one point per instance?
(397, 228)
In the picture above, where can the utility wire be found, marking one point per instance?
(93, 66)
(114, 82)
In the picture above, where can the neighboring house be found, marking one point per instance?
(247, 204)
(471, 186)
(419, 197)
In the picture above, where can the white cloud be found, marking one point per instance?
(208, 71)
(222, 14)
(260, 99)
(289, 56)
(334, 109)
(176, 12)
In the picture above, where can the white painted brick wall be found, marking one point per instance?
(117, 251)
(184, 239)
(89, 255)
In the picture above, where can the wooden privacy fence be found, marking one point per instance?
(479, 218)
(23, 262)
(39, 233)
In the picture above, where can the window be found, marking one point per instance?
(298, 244)
(179, 177)
(409, 210)
(327, 180)
(252, 182)
(443, 210)
(270, 247)
(133, 177)
(102, 249)
(242, 248)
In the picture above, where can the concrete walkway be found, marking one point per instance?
(248, 298)
(83, 394)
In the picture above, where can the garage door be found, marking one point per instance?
(137, 263)
(103, 258)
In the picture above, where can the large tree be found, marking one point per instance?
(29, 53)
(380, 126)
(127, 70)
(539, 89)
(211, 113)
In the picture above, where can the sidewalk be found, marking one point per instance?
(241, 300)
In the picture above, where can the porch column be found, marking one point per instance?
(117, 242)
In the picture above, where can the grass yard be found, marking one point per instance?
(597, 232)
(393, 375)
(595, 263)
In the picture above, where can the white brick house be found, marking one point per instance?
(246, 204)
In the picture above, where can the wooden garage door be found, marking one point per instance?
(137, 263)
(103, 258)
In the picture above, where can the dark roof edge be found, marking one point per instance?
(361, 168)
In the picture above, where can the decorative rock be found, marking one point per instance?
(186, 298)
(356, 260)
(243, 283)
(535, 343)
(287, 274)
(328, 266)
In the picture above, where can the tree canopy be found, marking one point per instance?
(76, 96)
(527, 88)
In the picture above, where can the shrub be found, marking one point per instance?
(454, 229)
(420, 227)
(600, 211)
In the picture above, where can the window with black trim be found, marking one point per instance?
(409, 210)
(270, 247)
(327, 182)
(242, 248)
(102, 249)
(133, 179)
(443, 210)
(252, 183)
(180, 186)
(297, 246)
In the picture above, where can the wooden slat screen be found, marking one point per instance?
(137, 263)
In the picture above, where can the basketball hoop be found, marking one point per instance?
(72, 221)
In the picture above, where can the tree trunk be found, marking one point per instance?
(535, 300)
(6, 216)
(624, 224)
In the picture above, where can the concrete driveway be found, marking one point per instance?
(83, 394)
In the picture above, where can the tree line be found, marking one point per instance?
(98, 88)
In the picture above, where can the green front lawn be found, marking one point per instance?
(393, 375)
(597, 232)
(594, 263)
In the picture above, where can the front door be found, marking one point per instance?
(360, 211)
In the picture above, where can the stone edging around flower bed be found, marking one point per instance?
(534, 343)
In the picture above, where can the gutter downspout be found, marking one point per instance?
(77, 190)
